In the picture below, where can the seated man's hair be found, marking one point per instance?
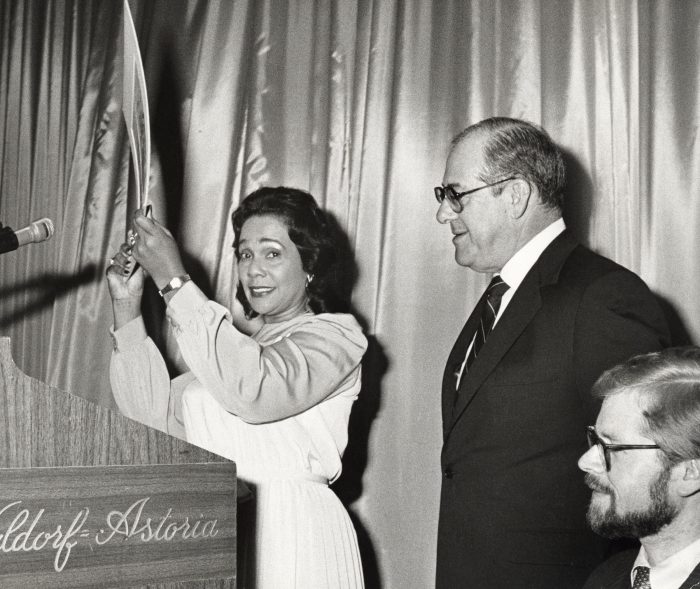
(669, 384)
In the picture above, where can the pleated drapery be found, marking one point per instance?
(356, 101)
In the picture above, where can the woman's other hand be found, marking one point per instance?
(156, 250)
(121, 285)
(125, 286)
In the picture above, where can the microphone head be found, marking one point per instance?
(35, 232)
(41, 230)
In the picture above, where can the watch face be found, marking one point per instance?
(174, 284)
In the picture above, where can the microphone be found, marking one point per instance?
(35, 232)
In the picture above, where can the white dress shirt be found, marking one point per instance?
(515, 269)
(672, 572)
(524, 259)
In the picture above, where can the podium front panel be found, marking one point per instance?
(89, 498)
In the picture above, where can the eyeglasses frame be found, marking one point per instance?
(604, 448)
(441, 193)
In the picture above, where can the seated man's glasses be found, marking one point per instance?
(453, 197)
(605, 448)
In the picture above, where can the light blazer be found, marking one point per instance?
(615, 573)
(513, 502)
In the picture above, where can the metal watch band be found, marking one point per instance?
(174, 284)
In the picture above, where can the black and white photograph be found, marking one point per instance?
(350, 294)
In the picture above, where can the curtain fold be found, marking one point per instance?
(96, 193)
(355, 101)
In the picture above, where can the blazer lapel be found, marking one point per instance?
(454, 362)
(516, 317)
(622, 581)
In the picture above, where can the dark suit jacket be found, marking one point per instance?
(615, 574)
(513, 502)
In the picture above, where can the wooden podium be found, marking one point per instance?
(89, 498)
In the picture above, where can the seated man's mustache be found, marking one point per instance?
(596, 484)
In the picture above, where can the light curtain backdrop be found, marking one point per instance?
(355, 101)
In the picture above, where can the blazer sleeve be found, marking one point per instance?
(618, 318)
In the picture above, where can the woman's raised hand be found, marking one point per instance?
(156, 250)
(123, 284)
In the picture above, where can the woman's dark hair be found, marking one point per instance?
(309, 229)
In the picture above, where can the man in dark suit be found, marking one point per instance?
(643, 466)
(516, 385)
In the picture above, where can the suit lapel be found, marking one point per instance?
(621, 582)
(455, 360)
(516, 317)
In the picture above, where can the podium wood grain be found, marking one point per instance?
(43, 428)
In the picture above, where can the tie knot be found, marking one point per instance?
(496, 288)
(641, 578)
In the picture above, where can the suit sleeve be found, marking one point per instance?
(618, 318)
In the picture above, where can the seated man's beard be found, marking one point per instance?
(636, 524)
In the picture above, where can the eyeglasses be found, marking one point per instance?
(447, 192)
(605, 449)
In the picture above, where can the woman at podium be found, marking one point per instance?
(277, 402)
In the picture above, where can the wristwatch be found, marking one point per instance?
(174, 284)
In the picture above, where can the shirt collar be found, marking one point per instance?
(672, 572)
(524, 259)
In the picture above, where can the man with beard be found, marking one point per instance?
(643, 466)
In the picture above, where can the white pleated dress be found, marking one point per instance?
(278, 405)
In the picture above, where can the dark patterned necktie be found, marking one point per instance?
(641, 578)
(494, 293)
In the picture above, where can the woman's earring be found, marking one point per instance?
(309, 279)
